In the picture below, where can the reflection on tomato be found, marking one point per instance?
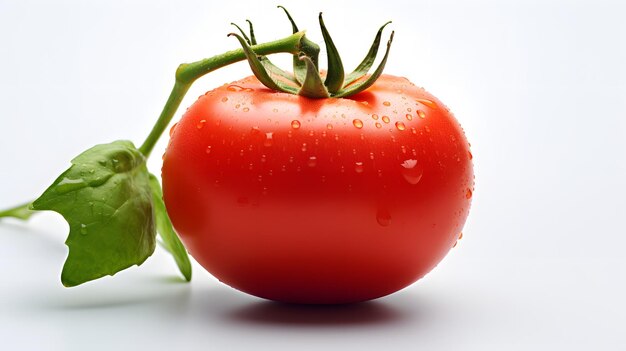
(318, 200)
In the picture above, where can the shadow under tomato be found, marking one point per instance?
(365, 313)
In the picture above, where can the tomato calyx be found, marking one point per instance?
(306, 79)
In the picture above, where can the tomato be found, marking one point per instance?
(318, 200)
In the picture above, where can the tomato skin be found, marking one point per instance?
(318, 201)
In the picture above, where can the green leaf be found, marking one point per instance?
(335, 74)
(171, 242)
(271, 68)
(299, 67)
(106, 199)
(312, 86)
(22, 212)
(361, 86)
(259, 69)
(252, 37)
(368, 61)
(243, 34)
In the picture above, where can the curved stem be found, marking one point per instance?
(187, 73)
(176, 97)
(22, 212)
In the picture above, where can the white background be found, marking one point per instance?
(539, 86)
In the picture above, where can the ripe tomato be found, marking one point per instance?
(318, 200)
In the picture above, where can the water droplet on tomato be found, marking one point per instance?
(269, 139)
(386, 103)
(427, 102)
(378, 125)
(383, 217)
(413, 130)
(408, 109)
(386, 119)
(358, 123)
(411, 171)
(371, 155)
(421, 114)
(400, 126)
(200, 124)
(329, 126)
(358, 167)
(409, 117)
(234, 88)
(375, 117)
(173, 128)
(295, 124)
(312, 161)
(303, 146)
(224, 99)
(208, 149)
(246, 109)
(468, 193)
(311, 133)
(460, 236)
(255, 131)
(263, 158)
(469, 154)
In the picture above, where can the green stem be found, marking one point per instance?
(176, 97)
(187, 73)
(22, 212)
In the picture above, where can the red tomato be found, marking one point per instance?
(318, 200)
